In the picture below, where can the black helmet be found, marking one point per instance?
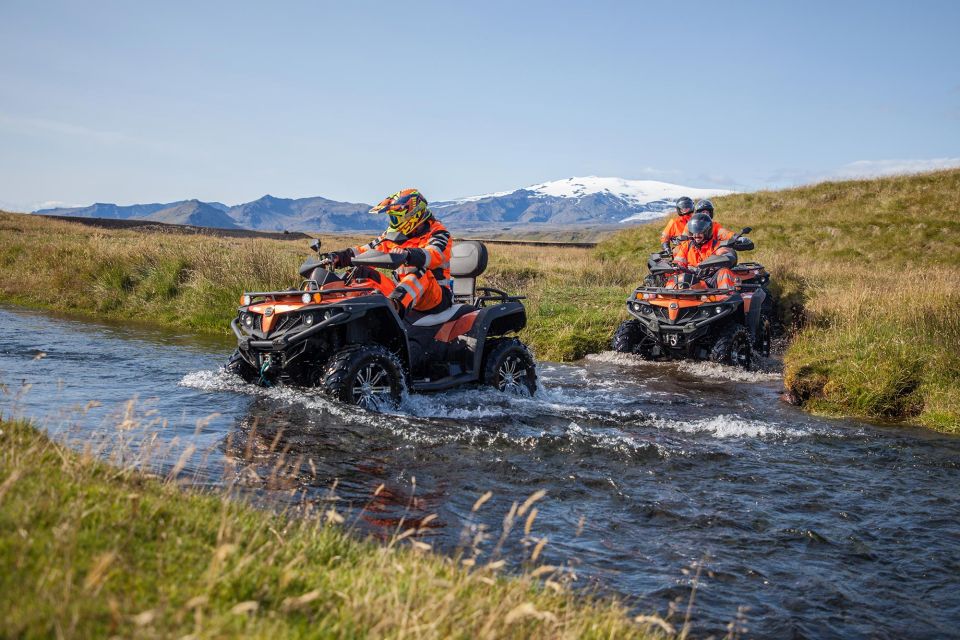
(684, 206)
(700, 224)
(705, 206)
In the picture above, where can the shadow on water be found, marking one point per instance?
(818, 527)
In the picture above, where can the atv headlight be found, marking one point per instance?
(306, 298)
(720, 308)
(308, 319)
(247, 320)
(246, 300)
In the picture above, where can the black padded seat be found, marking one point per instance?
(434, 319)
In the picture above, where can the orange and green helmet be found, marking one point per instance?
(406, 210)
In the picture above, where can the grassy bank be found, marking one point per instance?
(89, 550)
(194, 282)
(869, 273)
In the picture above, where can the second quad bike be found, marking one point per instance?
(341, 334)
(676, 315)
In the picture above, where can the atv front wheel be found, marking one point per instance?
(629, 338)
(369, 376)
(733, 347)
(238, 366)
(509, 366)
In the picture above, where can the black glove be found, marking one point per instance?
(416, 258)
(340, 259)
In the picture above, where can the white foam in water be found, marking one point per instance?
(700, 368)
(729, 426)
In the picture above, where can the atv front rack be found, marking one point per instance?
(681, 293)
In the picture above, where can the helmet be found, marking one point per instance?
(700, 224)
(684, 206)
(406, 210)
(705, 206)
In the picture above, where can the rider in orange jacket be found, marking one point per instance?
(705, 206)
(675, 226)
(704, 241)
(423, 282)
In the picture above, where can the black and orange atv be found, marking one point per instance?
(340, 334)
(690, 320)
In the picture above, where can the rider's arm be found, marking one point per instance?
(370, 246)
(434, 254)
(680, 254)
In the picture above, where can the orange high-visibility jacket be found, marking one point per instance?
(434, 241)
(687, 254)
(675, 227)
(718, 232)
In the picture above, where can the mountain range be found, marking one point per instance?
(571, 202)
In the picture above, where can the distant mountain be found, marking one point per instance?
(120, 212)
(305, 214)
(569, 203)
(196, 213)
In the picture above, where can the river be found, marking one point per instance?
(809, 527)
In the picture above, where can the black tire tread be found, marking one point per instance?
(496, 349)
(338, 371)
(720, 352)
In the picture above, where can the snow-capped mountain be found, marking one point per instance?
(569, 203)
(573, 201)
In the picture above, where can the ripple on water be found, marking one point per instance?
(699, 368)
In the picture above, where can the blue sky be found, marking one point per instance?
(144, 102)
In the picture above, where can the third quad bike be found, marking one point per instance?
(676, 315)
(339, 333)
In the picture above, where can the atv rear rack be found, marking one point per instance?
(490, 294)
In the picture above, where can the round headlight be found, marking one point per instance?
(246, 300)
(306, 298)
(247, 320)
(308, 319)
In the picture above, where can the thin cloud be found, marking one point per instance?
(46, 127)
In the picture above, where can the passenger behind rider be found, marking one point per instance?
(705, 206)
(704, 241)
(422, 282)
(674, 229)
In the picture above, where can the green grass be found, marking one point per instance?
(91, 550)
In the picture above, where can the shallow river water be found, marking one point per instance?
(810, 527)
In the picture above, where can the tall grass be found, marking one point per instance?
(89, 550)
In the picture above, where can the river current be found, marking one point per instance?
(652, 473)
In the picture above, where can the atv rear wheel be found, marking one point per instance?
(733, 347)
(509, 366)
(238, 366)
(629, 338)
(369, 376)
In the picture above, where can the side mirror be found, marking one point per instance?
(315, 245)
(746, 230)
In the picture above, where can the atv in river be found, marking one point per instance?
(676, 315)
(340, 334)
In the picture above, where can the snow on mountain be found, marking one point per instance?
(589, 199)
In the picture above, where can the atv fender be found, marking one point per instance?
(496, 320)
(753, 316)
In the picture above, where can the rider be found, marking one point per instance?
(703, 242)
(705, 206)
(423, 282)
(675, 226)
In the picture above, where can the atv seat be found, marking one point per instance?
(433, 319)
(468, 259)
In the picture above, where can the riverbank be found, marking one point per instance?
(91, 550)
(869, 280)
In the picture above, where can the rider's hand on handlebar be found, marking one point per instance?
(405, 254)
(340, 259)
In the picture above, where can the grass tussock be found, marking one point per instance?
(93, 550)
(869, 278)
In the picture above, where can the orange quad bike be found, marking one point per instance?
(339, 333)
(676, 315)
